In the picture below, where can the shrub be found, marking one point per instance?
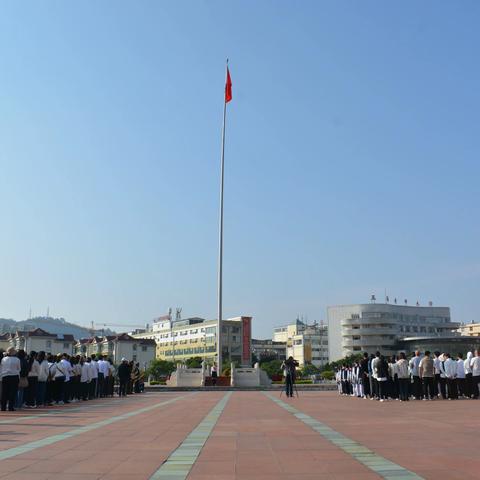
(308, 370)
(328, 375)
(272, 368)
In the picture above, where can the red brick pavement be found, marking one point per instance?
(435, 439)
(127, 449)
(253, 439)
(256, 439)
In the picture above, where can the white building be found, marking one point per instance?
(308, 344)
(119, 346)
(381, 326)
(39, 340)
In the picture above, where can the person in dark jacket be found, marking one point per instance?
(364, 375)
(23, 382)
(290, 372)
(123, 373)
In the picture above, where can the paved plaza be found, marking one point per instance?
(242, 435)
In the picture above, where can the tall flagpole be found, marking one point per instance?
(220, 242)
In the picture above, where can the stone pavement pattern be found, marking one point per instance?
(241, 435)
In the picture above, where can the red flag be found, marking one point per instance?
(228, 88)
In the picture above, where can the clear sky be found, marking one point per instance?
(352, 157)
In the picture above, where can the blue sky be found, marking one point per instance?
(351, 157)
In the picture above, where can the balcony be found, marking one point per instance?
(368, 331)
(347, 322)
(368, 341)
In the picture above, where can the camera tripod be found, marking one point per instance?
(295, 388)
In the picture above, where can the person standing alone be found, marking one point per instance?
(290, 372)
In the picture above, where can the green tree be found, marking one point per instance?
(159, 369)
(272, 368)
(349, 361)
(328, 375)
(308, 370)
(194, 362)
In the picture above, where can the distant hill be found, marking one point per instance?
(51, 325)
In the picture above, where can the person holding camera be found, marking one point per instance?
(289, 370)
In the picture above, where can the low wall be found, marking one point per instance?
(249, 377)
(186, 377)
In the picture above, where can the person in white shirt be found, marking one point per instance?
(67, 368)
(78, 374)
(59, 377)
(461, 376)
(94, 377)
(439, 384)
(417, 382)
(86, 377)
(468, 375)
(450, 369)
(403, 377)
(42, 379)
(475, 364)
(52, 367)
(10, 378)
(33, 372)
(103, 372)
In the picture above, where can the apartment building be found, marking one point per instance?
(181, 339)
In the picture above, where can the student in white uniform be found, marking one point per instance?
(42, 380)
(461, 376)
(85, 377)
(475, 364)
(94, 376)
(450, 369)
(10, 377)
(468, 375)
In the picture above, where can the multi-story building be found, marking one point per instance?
(116, 347)
(181, 339)
(39, 340)
(308, 344)
(376, 326)
(470, 329)
(269, 349)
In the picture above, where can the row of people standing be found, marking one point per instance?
(422, 377)
(40, 380)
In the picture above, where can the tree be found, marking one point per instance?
(272, 368)
(328, 375)
(194, 362)
(349, 361)
(309, 369)
(159, 369)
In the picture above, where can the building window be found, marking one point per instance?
(144, 348)
(66, 346)
(134, 347)
(134, 358)
(49, 344)
(234, 338)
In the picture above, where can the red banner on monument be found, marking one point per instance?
(247, 336)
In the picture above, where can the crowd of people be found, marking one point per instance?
(40, 380)
(421, 377)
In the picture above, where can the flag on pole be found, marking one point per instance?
(228, 88)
